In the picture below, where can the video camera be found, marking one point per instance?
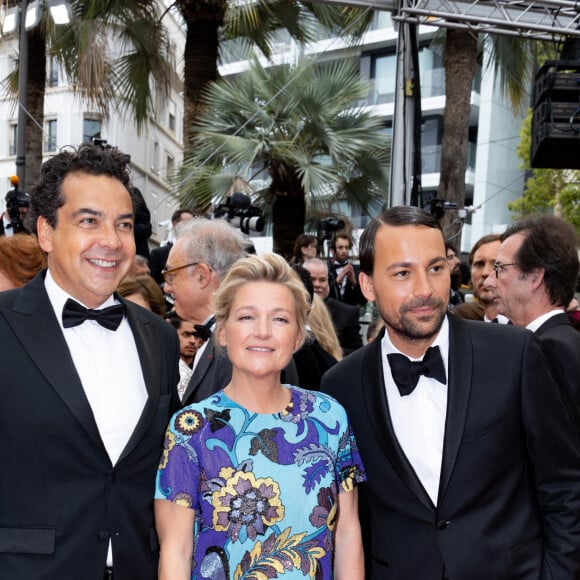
(327, 226)
(16, 202)
(240, 213)
(438, 207)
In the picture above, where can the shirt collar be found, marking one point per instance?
(58, 296)
(535, 324)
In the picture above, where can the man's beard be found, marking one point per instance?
(410, 330)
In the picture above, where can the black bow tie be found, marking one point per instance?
(406, 373)
(74, 314)
(204, 330)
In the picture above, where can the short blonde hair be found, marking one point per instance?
(267, 268)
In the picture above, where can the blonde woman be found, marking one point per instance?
(263, 475)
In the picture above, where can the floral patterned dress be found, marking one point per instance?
(264, 486)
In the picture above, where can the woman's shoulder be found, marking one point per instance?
(322, 401)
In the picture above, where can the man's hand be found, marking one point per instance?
(347, 271)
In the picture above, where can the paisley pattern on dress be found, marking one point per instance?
(264, 486)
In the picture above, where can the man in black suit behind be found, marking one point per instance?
(88, 387)
(344, 316)
(535, 276)
(472, 462)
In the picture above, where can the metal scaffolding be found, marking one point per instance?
(546, 20)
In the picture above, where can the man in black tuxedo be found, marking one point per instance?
(535, 277)
(88, 387)
(472, 462)
(344, 316)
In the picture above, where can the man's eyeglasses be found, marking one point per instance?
(499, 267)
(169, 275)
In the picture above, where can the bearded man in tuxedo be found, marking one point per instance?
(472, 462)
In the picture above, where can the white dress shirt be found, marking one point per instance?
(535, 324)
(419, 418)
(108, 366)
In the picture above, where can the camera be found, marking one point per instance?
(438, 207)
(17, 204)
(240, 213)
(328, 225)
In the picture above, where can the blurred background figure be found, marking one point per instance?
(189, 343)
(305, 248)
(17, 204)
(145, 292)
(342, 273)
(469, 311)
(375, 326)
(20, 260)
(140, 266)
(159, 255)
(321, 349)
(454, 263)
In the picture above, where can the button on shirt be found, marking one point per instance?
(418, 419)
(108, 365)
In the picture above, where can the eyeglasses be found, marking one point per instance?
(499, 267)
(169, 275)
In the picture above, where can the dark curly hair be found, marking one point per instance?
(46, 196)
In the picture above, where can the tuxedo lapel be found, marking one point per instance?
(460, 377)
(201, 369)
(34, 323)
(148, 345)
(378, 411)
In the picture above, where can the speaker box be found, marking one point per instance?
(555, 146)
(556, 116)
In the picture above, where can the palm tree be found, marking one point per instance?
(298, 130)
(207, 22)
(512, 59)
(104, 79)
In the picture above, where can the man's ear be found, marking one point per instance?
(45, 232)
(204, 273)
(537, 277)
(367, 287)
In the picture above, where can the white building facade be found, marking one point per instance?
(156, 152)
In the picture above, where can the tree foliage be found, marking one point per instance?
(300, 132)
(556, 190)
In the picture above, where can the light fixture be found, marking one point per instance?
(60, 11)
(11, 21)
(33, 15)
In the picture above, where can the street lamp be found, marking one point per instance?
(28, 17)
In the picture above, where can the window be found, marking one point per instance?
(171, 120)
(13, 139)
(50, 134)
(91, 129)
(155, 158)
(170, 168)
(52, 80)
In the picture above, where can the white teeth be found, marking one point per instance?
(103, 263)
(260, 349)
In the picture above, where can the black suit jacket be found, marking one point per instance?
(509, 494)
(61, 499)
(345, 319)
(213, 372)
(352, 293)
(561, 344)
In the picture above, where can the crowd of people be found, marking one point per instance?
(202, 412)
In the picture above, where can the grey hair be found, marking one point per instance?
(212, 242)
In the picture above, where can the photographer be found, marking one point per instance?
(343, 274)
(17, 204)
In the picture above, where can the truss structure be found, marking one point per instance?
(547, 20)
(543, 20)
